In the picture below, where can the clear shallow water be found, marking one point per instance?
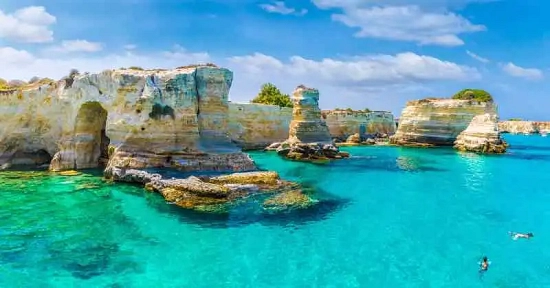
(389, 217)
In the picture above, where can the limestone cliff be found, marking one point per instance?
(440, 121)
(254, 126)
(524, 127)
(436, 121)
(344, 123)
(147, 118)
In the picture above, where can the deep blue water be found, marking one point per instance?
(387, 217)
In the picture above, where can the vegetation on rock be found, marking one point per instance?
(271, 95)
(4, 84)
(473, 94)
(198, 65)
(515, 119)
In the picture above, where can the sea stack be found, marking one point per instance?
(309, 137)
(482, 136)
(468, 125)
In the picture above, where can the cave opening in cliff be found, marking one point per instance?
(92, 145)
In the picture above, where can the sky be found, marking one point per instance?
(375, 54)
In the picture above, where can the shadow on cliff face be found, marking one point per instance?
(250, 211)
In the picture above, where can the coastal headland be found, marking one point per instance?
(131, 122)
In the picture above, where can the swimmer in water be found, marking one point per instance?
(516, 235)
(483, 266)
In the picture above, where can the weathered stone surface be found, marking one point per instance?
(306, 125)
(258, 177)
(344, 123)
(196, 193)
(355, 138)
(131, 118)
(481, 136)
(437, 121)
(308, 138)
(524, 127)
(254, 126)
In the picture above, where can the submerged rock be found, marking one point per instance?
(69, 173)
(198, 192)
(288, 200)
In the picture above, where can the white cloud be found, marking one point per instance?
(406, 23)
(520, 72)
(10, 56)
(130, 47)
(30, 25)
(281, 8)
(365, 70)
(477, 57)
(69, 46)
(383, 82)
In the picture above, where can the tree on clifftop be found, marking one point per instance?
(271, 95)
(3, 84)
(474, 94)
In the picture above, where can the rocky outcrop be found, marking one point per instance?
(481, 136)
(254, 126)
(212, 193)
(438, 122)
(308, 137)
(467, 124)
(306, 125)
(524, 127)
(135, 118)
(344, 123)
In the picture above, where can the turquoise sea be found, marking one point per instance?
(387, 217)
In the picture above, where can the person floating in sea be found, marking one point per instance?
(516, 235)
(483, 266)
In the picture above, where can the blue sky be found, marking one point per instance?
(358, 53)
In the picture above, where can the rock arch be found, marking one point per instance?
(91, 142)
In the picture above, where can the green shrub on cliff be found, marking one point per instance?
(271, 95)
(474, 94)
(4, 84)
(515, 119)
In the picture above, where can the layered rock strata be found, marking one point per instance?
(344, 123)
(255, 126)
(438, 122)
(481, 136)
(309, 137)
(212, 193)
(524, 127)
(131, 118)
